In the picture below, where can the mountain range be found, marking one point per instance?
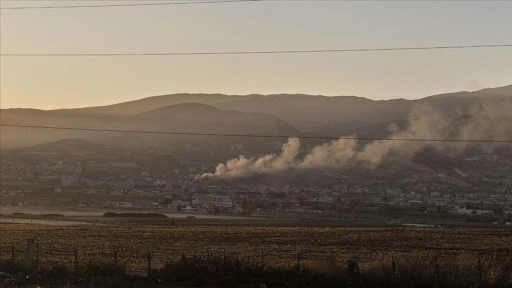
(269, 115)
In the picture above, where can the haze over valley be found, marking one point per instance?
(478, 115)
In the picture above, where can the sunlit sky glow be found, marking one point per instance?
(49, 83)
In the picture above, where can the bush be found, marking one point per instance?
(227, 271)
(11, 267)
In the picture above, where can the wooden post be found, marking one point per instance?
(436, 272)
(149, 256)
(393, 271)
(29, 257)
(262, 267)
(115, 258)
(37, 255)
(298, 262)
(12, 253)
(75, 253)
(353, 274)
(479, 273)
(225, 265)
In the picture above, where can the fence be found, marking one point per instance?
(473, 270)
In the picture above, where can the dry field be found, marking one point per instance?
(272, 245)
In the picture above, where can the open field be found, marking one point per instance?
(281, 246)
(71, 216)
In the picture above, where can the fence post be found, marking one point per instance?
(436, 272)
(75, 254)
(393, 271)
(149, 256)
(262, 266)
(353, 274)
(479, 273)
(37, 255)
(298, 262)
(115, 258)
(225, 265)
(29, 257)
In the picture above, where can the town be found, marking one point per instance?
(128, 186)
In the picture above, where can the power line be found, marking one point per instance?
(92, 1)
(162, 0)
(126, 4)
(179, 2)
(252, 52)
(258, 136)
(98, 0)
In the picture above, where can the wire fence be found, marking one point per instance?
(140, 262)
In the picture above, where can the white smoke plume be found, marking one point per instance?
(268, 164)
(491, 120)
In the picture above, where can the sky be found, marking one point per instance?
(65, 82)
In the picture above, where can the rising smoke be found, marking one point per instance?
(490, 120)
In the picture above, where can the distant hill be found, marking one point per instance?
(184, 118)
(69, 146)
(200, 118)
(283, 114)
(287, 114)
(152, 103)
(67, 149)
(313, 113)
(340, 115)
(504, 91)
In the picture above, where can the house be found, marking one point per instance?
(118, 204)
(210, 201)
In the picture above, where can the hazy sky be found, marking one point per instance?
(75, 82)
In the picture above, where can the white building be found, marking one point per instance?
(209, 201)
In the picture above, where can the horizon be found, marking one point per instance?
(252, 94)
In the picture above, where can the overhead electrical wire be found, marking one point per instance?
(164, 0)
(127, 4)
(102, 0)
(141, 3)
(256, 135)
(251, 52)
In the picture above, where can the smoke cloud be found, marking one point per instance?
(491, 120)
(268, 164)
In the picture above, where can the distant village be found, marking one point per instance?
(126, 186)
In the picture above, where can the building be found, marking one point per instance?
(210, 201)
